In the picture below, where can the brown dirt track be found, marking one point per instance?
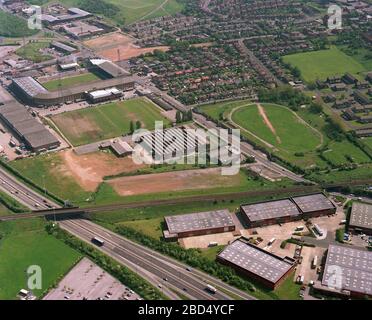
(90, 169)
(108, 46)
(173, 181)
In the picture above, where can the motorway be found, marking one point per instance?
(161, 271)
(23, 194)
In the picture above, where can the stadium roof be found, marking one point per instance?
(199, 221)
(84, 87)
(255, 260)
(355, 269)
(270, 210)
(63, 46)
(313, 202)
(30, 86)
(361, 215)
(109, 67)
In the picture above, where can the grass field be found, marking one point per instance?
(129, 11)
(49, 169)
(367, 141)
(26, 243)
(294, 136)
(291, 136)
(107, 121)
(31, 51)
(323, 63)
(70, 81)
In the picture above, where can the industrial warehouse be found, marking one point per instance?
(196, 224)
(256, 263)
(29, 130)
(353, 268)
(361, 218)
(286, 210)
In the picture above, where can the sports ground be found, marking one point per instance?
(67, 82)
(323, 63)
(107, 121)
(294, 136)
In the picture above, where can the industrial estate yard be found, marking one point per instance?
(265, 214)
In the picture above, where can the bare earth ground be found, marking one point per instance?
(263, 114)
(109, 45)
(173, 181)
(90, 169)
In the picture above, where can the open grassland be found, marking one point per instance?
(367, 141)
(290, 134)
(32, 51)
(12, 26)
(124, 11)
(107, 121)
(70, 81)
(4, 211)
(297, 135)
(361, 173)
(25, 243)
(59, 174)
(323, 63)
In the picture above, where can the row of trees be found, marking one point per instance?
(183, 116)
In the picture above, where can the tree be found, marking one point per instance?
(138, 124)
(178, 117)
(131, 127)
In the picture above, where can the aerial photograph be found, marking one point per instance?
(205, 151)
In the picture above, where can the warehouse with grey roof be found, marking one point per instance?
(256, 263)
(285, 210)
(351, 267)
(270, 212)
(29, 130)
(196, 224)
(361, 218)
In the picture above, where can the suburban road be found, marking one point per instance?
(160, 270)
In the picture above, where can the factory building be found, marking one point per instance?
(347, 272)
(361, 218)
(255, 263)
(270, 212)
(285, 210)
(196, 224)
(314, 205)
(28, 129)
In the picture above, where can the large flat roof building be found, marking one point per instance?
(285, 210)
(314, 205)
(29, 130)
(201, 223)
(354, 267)
(256, 263)
(361, 218)
(270, 212)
